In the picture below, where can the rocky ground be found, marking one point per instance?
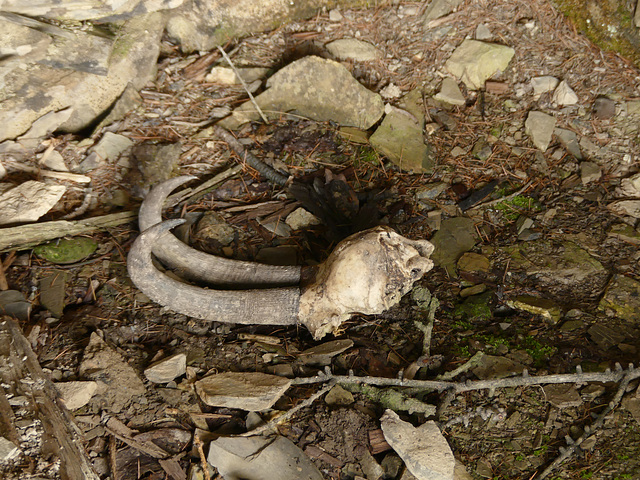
(528, 187)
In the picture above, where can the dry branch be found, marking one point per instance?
(56, 419)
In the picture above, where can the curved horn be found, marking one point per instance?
(274, 306)
(196, 265)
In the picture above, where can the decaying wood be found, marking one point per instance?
(28, 236)
(21, 363)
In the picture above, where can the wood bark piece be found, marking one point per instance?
(27, 236)
(56, 419)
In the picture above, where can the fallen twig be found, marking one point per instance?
(271, 425)
(72, 177)
(458, 387)
(589, 430)
(244, 85)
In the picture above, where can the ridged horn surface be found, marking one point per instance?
(273, 306)
(199, 266)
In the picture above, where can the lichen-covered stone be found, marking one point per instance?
(623, 298)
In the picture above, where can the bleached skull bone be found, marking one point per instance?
(366, 273)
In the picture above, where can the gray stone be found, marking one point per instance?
(544, 84)
(157, 163)
(450, 93)
(431, 191)
(321, 355)
(167, 369)
(301, 218)
(539, 126)
(28, 201)
(473, 262)
(44, 89)
(111, 145)
(474, 62)
(424, 449)
(492, 366)
(589, 172)
(43, 126)
(564, 267)
(569, 141)
(213, 230)
(76, 394)
(338, 397)
(104, 9)
(605, 337)
(228, 76)
(482, 32)
(117, 381)
(562, 395)
(400, 139)
(564, 95)
(52, 292)
(252, 391)
(353, 49)
(54, 161)
(370, 466)
(439, 8)
(622, 296)
(335, 15)
(629, 187)
(455, 237)
(604, 108)
(263, 457)
(8, 450)
(622, 207)
(315, 88)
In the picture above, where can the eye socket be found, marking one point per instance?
(416, 272)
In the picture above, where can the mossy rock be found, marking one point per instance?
(607, 23)
(67, 250)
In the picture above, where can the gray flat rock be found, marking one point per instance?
(622, 296)
(167, 369)
(455, 237)
(473, 62)
(28, 201)
(400, 139)
(544, 84)
(424, 449)
(450, 93)
(569, 141)
(564, 94)
(76, 394)
(314, 88)
(252, 391)
(261, 458)
(539, 126)
(353, 49)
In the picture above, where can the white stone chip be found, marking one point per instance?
(301, 218)
(352, 49)
(564, 95)
(474, 62)
(76, 394)
(251, 391)
(8, 450)
(539, 126)
(450, 93)
(167, 369)
(544, 84)
(29, 201)
(424, 449)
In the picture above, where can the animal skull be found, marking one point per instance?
(367, 273)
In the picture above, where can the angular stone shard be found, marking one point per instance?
(315, 88)
(473, 62)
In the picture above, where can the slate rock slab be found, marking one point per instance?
(455, 237)
(400, 139)
(474, 61)
(424, 449)
(539, 126)
(252, 391)
(623, 297)
(314, 88)
(29, 201)
(558, 268)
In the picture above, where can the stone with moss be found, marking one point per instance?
(623, 298)
(67, 250)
